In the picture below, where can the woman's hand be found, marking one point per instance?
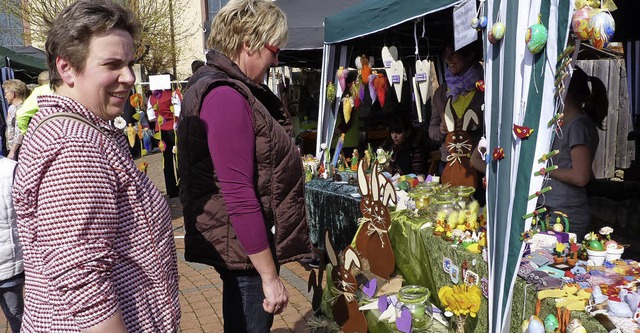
(276, 297)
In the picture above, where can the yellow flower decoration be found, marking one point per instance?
(462, 300)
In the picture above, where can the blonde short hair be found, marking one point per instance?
(256, 22)
(17, 87)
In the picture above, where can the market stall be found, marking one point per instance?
(525, 79)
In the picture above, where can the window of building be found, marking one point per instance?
(11, 30)
(213, 6)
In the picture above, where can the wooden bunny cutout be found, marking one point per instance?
(372, 239)
(458, 170)
(345, 309)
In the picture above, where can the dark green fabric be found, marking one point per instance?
(21, 61)
(330, 206)
(371, 16)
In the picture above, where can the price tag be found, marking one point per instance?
(395, 78)
(421, 77)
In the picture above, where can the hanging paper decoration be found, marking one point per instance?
(380, 86)
(601, 26)
(387, 58)
(522, 132)
(346, 108)
(498, 154)
(366, 69)
(372, 88)
(331, 92)
(355, 93)
(422, 78)
(341, 74)
(131, 135)
(396, 76)
(536, 37)
(580, 22)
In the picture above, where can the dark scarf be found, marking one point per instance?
(460, 84)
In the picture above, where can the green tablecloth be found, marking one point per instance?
(330, 206)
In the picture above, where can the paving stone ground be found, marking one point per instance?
(201, 287)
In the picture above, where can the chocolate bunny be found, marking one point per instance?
(458, 170)
(345, 309)
(372, 239)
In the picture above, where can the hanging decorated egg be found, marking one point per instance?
(491, 38)
(536, 38)
(475, 23)
(498, 30)
(482, 22)
(601, 26)
(580, 22)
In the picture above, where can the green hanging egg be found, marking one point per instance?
(536, 38)
(498, 30)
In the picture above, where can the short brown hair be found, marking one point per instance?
(17, 87)
(256, 22)
(72, 30)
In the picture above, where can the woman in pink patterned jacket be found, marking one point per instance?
(96, 259)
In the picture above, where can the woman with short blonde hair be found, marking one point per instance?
(241, 179)
(15, 91)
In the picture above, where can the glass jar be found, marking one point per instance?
(444, 202)
(463, 195)
(416, 298)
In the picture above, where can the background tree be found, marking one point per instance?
(155, 45)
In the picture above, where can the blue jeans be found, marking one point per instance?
(242, 298)
(12, 304)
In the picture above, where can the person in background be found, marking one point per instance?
(163, 104)
(96, 259)
(408, 148)
(585, 107)
(241, 176)
(15, 91)
(462, 72)
(11, 268)
(30, 105)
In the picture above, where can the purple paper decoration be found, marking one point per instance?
(404, 322)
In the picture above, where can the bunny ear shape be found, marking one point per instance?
(375, 190)
(312, 281)
(449, 119)
(389, 193)
(468, 116)
(363, 186)
(351, 258)
(329, 247)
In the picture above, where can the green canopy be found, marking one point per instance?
(32, 65)
(371, 16)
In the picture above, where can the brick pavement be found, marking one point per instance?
(201, 288)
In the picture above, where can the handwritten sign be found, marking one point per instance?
(463, 33)
(421, 77)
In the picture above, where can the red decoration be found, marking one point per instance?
(522, 132)
(480, 85)
(498, 153)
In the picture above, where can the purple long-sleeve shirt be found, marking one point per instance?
(229, 123)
